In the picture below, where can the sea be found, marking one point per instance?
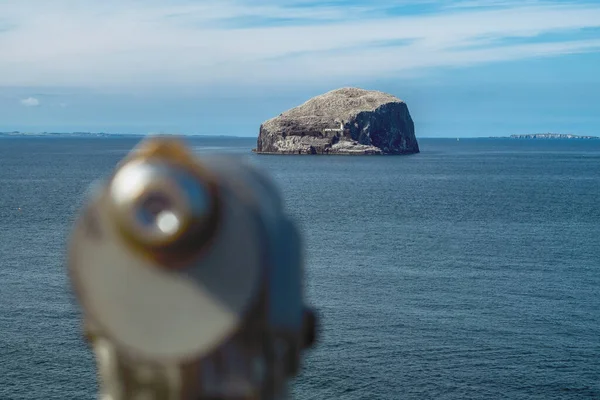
(468, 271)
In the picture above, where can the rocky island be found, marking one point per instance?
(342, 121)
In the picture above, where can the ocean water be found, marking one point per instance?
(469, 271)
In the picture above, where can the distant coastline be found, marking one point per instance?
(68, 134)
(100, 134)
(551, 136)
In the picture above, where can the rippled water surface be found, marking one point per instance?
(471, 270)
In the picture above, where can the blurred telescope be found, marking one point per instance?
(190, 277)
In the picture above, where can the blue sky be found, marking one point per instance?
(464, 67)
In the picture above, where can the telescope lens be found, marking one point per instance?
(157, 211)
(159, 204)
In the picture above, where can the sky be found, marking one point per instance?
(465, 68)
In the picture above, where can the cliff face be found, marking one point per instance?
(343, 121)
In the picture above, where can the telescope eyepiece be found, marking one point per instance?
(159, 205)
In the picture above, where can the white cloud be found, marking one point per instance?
(131, 42)
(30, 102)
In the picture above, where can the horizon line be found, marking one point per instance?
(81, 134)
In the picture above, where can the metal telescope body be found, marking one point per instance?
(190, 279)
